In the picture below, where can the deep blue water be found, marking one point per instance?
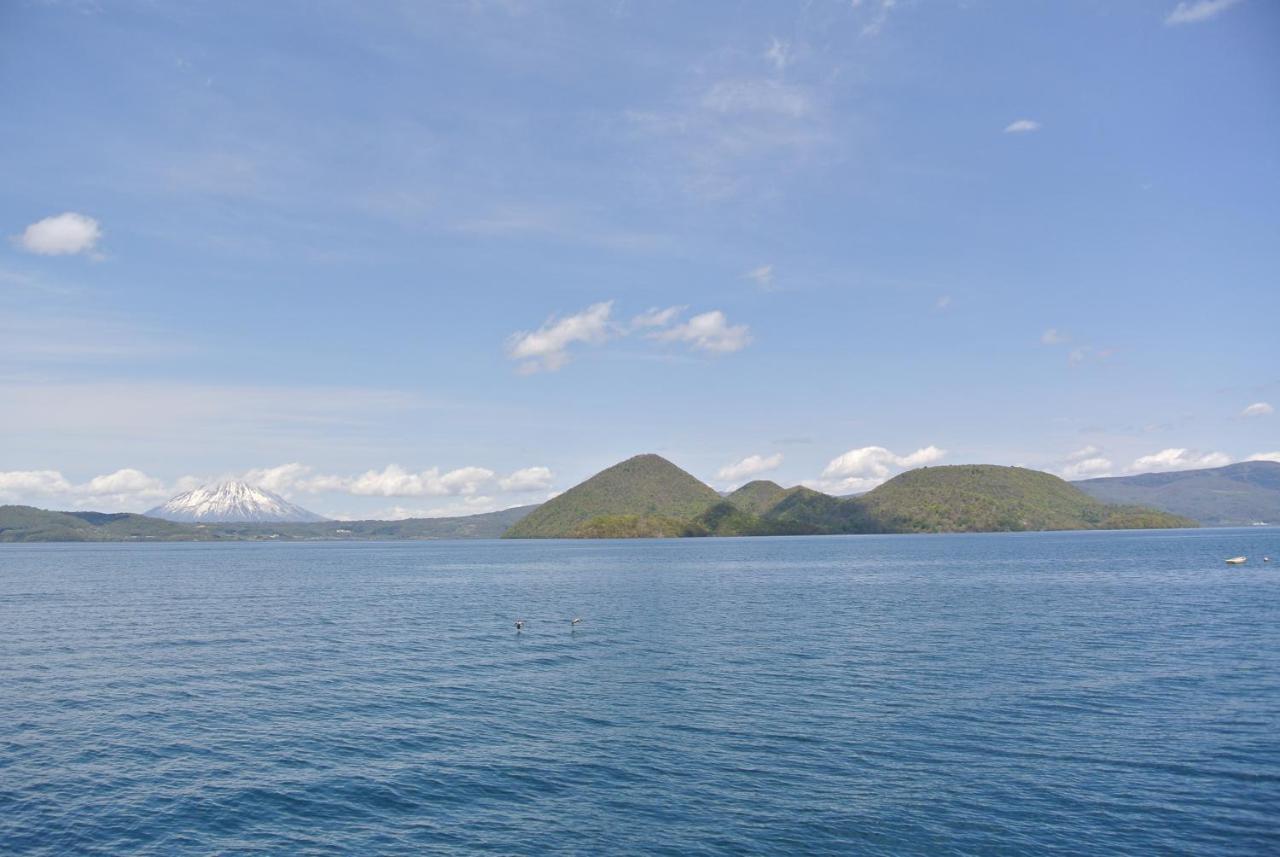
(986, 694)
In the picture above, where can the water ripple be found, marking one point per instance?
(1055, 693)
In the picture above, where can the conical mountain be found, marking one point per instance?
(226, 502)
(644, 495)
(757, 497)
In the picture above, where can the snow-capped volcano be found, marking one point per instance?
(231, 501)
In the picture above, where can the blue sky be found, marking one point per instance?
(401, 258)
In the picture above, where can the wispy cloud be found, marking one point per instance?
(1198, 11)
(879, 14)
(656, 317)
(1258, 409)
(1053, 336)
(778, 53)
(1022, 126)
(721, 136)
(547, 348)
(709, 331)
(188, 414)
(762, 276)
(561, 223)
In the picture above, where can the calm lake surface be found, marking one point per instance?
(981, 694)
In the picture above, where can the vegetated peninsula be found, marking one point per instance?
(648, 496)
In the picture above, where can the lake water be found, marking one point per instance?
(980, 694)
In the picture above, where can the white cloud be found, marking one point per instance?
(394, 481)
(131, 489)
(467, 506)
(921, 457)
(125, 481)
(749, 466)
(1257, 409)
(1022, 126)
(547, 347)
(655, 317)
(1053, 336)
(762, 276)
(868, 466)
(279, 480)
(1088, 468)
(1265, 456)
(61, 235)
(39, 483)
(123, 488)
(1088, 451)
(527, 479)
(1200, 10)
(778, 53)
(1176, 458)
(942, 303)
(709, 331)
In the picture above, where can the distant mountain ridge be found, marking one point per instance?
(28, 524)
(231, 501)
(648, 496)
(1234, 495)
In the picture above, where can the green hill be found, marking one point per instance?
(1235, 495)
(756, 497)
(802, 510)
(645, 487)
(989, 498)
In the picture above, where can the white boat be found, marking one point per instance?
(1237, 560)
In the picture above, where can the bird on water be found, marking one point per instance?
(575, 620)
(519, 624)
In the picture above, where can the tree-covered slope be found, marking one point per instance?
(646, 486)
(802, 510)
(28, 524)
(1235, 495)
(755, 498)
(990, 498)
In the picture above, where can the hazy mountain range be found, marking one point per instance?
(1235, 495)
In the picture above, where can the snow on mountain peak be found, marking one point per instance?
(231, 501)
